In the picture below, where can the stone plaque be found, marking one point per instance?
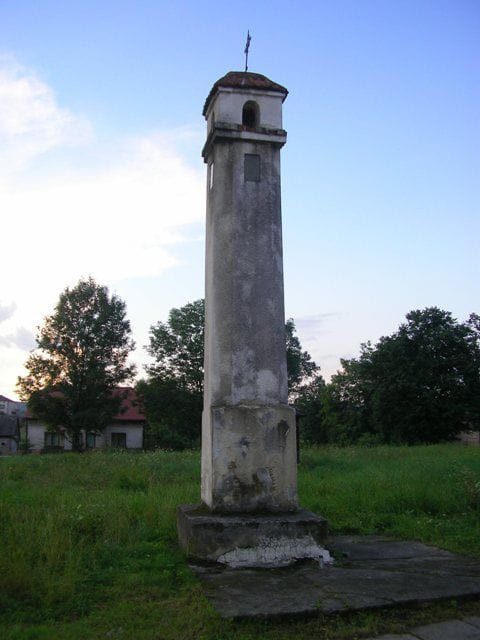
(252, 167)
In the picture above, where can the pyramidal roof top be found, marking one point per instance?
(244, 80)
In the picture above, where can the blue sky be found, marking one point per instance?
(101, 174)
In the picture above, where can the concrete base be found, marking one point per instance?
(371, 572)
(251, 540)
(249, 459)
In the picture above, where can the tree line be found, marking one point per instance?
(419, 385)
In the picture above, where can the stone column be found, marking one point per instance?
(248, 437)
(248, 431)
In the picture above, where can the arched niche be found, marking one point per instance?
(251, 115)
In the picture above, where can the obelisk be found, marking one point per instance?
(249, 487)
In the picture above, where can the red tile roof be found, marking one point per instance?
(244, 80)
(130, 405)
(129, 408)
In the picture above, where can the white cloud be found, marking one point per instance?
(31, 121)
(112, 223)
(7, 311)
(22, 338)
(118, 218)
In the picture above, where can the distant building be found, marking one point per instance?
(9, 434)
(124, 432)
(470, 437)
(11, 407)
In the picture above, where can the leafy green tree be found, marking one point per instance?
(427, 379)
(176, 376)
(81, 356)
(177, 347)
(301, 369)
(309, 403)
(346, 409)
(421, 384)
(172, 396)
(174, 414)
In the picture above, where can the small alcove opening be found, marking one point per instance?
(251, 115)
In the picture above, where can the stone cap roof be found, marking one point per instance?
(8, 426)
(244, 80)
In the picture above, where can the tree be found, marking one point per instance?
(421, 384)
(177, 347)
(346, 408)
(309, 404)
(176, 376)
(427, 379)
(301, 369)
(81, 356)
(174, 414)
(172, 397)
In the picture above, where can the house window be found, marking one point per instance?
(119, 440)
(90, 441)
(250, 115)
(52, 439)
(252, 167)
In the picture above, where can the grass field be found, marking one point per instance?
(89, 544)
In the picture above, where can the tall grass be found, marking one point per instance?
(76, 525)
(430, 493)
(89, 541)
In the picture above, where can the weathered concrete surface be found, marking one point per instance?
(245, 354)
(248, 430)
(449, 630)
(377, 572)
(380, 553)
(268, 540)
(390, 636)
(253, 458)
(474, 620)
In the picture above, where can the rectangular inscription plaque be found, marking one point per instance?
(252, 167)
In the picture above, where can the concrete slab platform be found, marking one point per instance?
(394, 636)
(475, 620)
(449, 630)
(370, 572)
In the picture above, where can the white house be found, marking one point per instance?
(125, 430)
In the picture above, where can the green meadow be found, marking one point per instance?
(89, 543)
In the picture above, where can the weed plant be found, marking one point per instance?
(89, 542)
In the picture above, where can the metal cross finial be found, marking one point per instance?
(247, 46)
